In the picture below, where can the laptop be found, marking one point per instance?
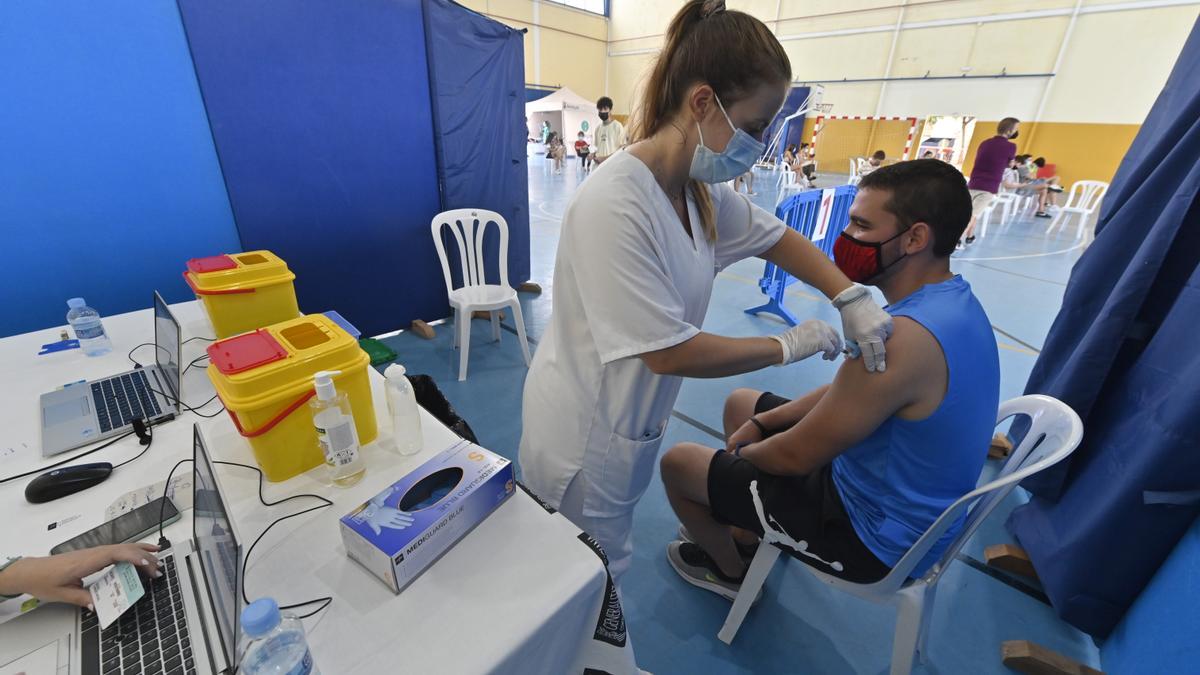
(185, 624)
(92, 411)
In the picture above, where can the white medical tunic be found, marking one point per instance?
(628, 279)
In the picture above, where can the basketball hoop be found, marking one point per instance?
(823, 108)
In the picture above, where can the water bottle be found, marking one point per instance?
(85, 321)
(277, 643)
(406, 419)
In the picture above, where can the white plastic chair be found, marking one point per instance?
(854, 178)
(1054, 433)
(469, 226)
(1084, 199)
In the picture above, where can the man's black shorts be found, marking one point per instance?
(807, 508)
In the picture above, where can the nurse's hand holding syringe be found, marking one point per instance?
(808, 339)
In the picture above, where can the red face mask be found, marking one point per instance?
(860, 260)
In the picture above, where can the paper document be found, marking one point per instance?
(117, 589)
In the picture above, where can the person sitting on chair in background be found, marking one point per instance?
(610, 135)
(808, 165)
(874, 162)
(581, 151)
(1030, 186)
(990, 161)
(851, 493)
(1045, 172)
(789, 155)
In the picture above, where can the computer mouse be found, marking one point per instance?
(66, 481)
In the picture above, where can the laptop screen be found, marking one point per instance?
(217, 547)
(166, 338)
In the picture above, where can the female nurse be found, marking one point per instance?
(641, 243)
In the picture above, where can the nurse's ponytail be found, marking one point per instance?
(731, 51)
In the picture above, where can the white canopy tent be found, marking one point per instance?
(568, 114)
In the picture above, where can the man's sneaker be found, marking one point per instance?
(747, 552)
(698, 569)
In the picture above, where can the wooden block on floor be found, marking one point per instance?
(530, 287)
(423, 329)
(1031, 658)
(1000, 448)
(1010, 558)
(485, 315)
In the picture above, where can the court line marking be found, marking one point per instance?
(1015, 274)
(1025, 255)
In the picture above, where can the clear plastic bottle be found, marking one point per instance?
(277, 644)
(402, 403)
(88, 328)
(334, 419)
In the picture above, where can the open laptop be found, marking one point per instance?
(91, 411)
(186, 623)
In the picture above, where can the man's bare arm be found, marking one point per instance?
(855, 405)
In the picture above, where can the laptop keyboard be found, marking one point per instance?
(151, 637)
(122, 399)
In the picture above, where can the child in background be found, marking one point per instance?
(581, 151)
(557, 151)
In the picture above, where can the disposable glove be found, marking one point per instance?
(810, 337)
(865, 325)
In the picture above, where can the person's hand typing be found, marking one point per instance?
(59, 578)
(865, 325)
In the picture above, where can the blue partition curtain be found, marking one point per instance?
(477, 82)
(1122, 352)
(321, 115)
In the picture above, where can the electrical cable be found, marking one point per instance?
(163, 542)
(195, 410)
(81, 455)
(150, 429)
(326, 600)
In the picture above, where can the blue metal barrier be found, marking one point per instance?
(803, 213)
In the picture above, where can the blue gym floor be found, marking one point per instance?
(800, 626)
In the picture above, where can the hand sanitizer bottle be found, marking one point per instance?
(402, 403)
(334, 420)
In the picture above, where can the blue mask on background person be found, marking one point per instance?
(739, 155)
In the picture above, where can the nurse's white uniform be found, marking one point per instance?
(627, 280)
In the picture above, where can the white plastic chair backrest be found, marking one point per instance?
(1086, 195)
(1054, 433)
(788, 177)
(853, 166)
(469, 226)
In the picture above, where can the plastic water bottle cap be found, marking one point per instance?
(76, 302)
(394, 371)
(260, 617)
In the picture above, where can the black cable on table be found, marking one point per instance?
(69, 459)
(150, 429)
(164, 543)
(325, 503)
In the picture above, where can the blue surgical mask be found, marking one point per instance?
(717, 167)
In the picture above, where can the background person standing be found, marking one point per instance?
(610, 135)
(990, 162)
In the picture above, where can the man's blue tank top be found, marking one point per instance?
(898, 480)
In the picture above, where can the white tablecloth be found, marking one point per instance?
(521, 593)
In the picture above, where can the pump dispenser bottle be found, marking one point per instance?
(334, 420)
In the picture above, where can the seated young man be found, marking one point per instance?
(855, 471)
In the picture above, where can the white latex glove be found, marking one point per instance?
(865, 325)
(810, 337)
